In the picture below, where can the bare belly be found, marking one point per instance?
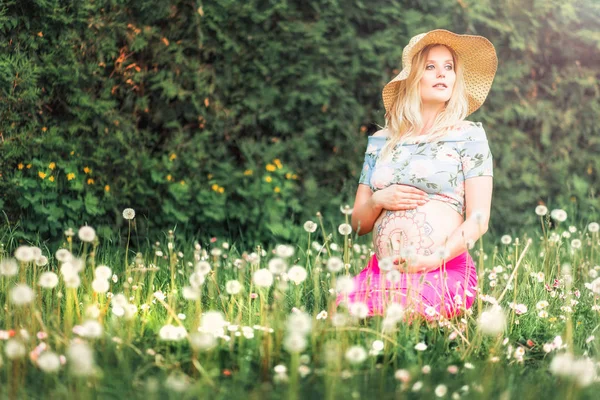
(425, 228)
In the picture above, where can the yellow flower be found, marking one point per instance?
(221, 189)
(73, 152)
(70, 176)
(215, 187)
(42, 174)
(182, 182)
(51, 179)
(169, 177)
(107, 188)
(268, 179)
(277, 162)
(294, 176)
(209, 176)
(288, 175)
(69, 239)
(277, 190)
(44, 129)
(28, 166)
(52, 165)
(172, 156)
(248, 172)
(87, 170)
(90, 181)
(551, 319)
(270, 167)
(20, 166)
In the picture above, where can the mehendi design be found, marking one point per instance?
(398, 229)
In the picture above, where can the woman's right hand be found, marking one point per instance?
(399, 197)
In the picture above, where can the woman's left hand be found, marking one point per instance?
(420, 264)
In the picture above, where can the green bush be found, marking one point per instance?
(162, 101)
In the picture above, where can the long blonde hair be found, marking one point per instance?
(404, 120)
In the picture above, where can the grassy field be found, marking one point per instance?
(182, 320)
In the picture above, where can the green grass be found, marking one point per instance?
(130, 360)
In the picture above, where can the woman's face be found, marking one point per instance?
(439, 69)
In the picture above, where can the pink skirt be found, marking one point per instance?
(445, 291)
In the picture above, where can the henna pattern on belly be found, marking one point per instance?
(397, 229)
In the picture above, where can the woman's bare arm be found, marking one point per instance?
(365, 211)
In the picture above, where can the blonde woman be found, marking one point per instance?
(425, 190)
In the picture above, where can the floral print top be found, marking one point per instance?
(438, 168)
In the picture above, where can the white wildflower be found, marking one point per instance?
(129, 213)
(87, 234)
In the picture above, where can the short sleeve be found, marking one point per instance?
(475, 154)
(373, 146)
(367, 169)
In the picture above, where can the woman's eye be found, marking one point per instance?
(431, 65)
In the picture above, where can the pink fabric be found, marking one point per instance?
(418, 291)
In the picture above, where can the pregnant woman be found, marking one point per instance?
(422, 173)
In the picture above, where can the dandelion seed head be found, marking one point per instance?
(345, 229)
(172, 333)
(294, 343)
(506, 239)
(541, 210)
(21, 294)
(48, 362)
(297, 274)
(558, 215)
(593, 227)
(335, 264)
(9, 267)
(492, 321)
(277, 265)
(48, 280)
(233, 287)
(190, 293)
(24, 254)
(81, 359)
(102, 272)
(177, 382)
(129, 213)
(203, 267)
(356, 355)
(284, 251)
(420, 346)
(196, 279)
(100, 285)
(441, 390)
(310, 226)
(87, 234)
(14, 349)
(299, 322)
(262, 278)
(202, 341)
(359, 310)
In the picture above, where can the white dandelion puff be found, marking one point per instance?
(14, 349)
(559, 215)
(593, 227)
(310, 226)
(492, 321)
(9, 267)
(129, 213)
(335, 264)
(262, 278)
(284, 251)
(48, 362)
(81, 359)
(345, 229)
(21, 294)
(277, 266)
(24, 254)
(541, 210)
(297, 274)
(233, 287)
(48, 280)
(294, 343)
(63, 255)
(102, 272)
(356, 355)
(87, 234)
(100, 285)
(506, 239)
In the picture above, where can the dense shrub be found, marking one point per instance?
(166, 107)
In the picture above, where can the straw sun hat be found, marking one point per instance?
(476, 52)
